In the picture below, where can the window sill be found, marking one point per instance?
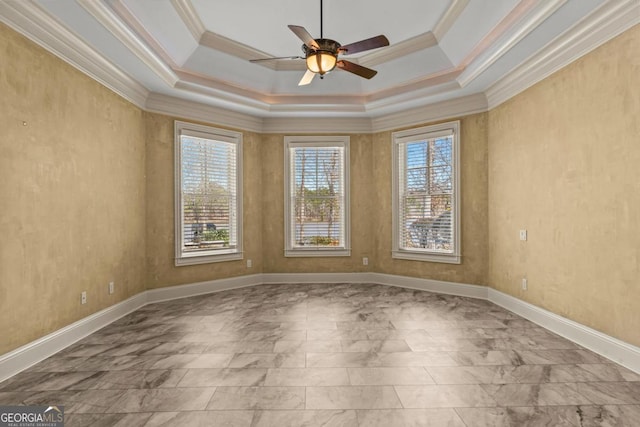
(194, 259)
(430, 257)
(294, 253)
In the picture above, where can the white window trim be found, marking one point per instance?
(217, 255)
(316, 141)
(418, 134)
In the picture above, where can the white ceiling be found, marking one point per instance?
(441, 51)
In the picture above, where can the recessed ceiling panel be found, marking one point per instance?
(477, 20)
(263, 24)
(221, 66)
(165, 26)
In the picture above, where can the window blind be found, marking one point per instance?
(209, 193)
(317, 197)
(426, 194)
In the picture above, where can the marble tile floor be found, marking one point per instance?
(328, 355)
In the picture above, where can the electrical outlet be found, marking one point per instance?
(365, 260)
(523, 235)
(83, 297)
(524, 284)
(112, 287)
(249, 263)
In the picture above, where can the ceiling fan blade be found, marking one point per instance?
(304, 35)
(275, 58)
(307, 78)
(362, 45)
(361, 71)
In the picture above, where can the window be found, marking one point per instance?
(208, 194)
(426, 196)
(317, 196)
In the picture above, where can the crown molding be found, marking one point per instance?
(244, 109)
(251, 101)
(330, 107)
(316, 125)
(458, 107)
(229, 96)
(305, 105)
(449, 17)
(125, 14)
(176, 107)
(434, 83)
(234, 48)
(251, 98)
(529, 14)
(222, 90)
(410, 100)
(398, 50)
(608, 21)
(190, 18)
(38, 26)
(105, 16)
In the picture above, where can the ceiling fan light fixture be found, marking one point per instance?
(321, 62)
(321, 55)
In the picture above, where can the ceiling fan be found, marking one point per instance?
(321, 54)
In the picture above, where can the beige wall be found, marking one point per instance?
(564, 161)
(77, 211)
(370, 193)
(72, 192)
(362, 227)
(161, 269)
(473, 185)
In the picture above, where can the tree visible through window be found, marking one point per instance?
(208, 193)
(425, 194)
(317, 210)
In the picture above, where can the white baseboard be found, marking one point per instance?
(28, 355)
(201, 288)
(614, 349)
(36, 351)
(437, 286)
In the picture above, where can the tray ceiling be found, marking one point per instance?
(199, 50)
